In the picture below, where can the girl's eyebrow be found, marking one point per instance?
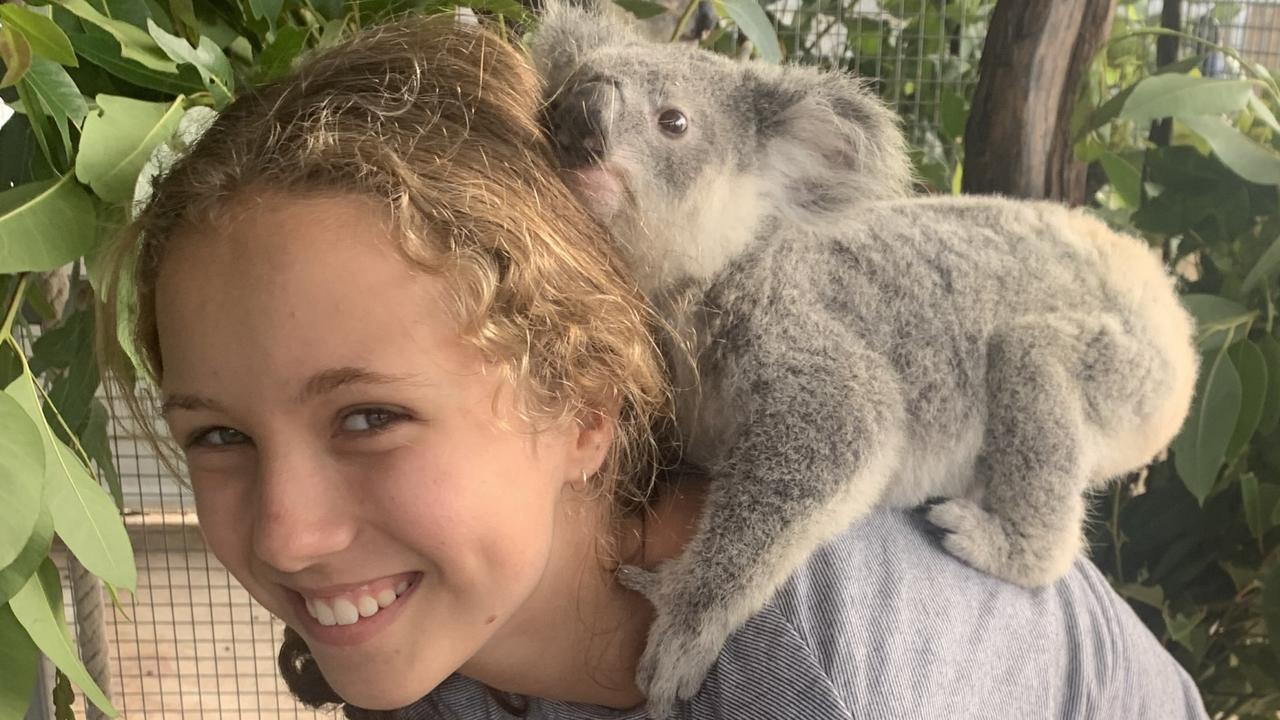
(322, 383)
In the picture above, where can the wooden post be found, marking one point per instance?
(1018, 138)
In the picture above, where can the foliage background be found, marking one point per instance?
(1192, 542)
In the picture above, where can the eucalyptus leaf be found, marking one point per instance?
(18, 665)
(44, 623)
(1201, 447)
(58, 96)
(22, 471)
(1266, 266)
(16, 54)
(750, 18)
(1124, 177)
(1260, 110)
(642, 9)
(1216, 319)
(44, 225)
(42, 33)
(1251, 500)
(135, 44)
(104, 51)
(1269, 418)
(14, 575)
(118, 140)
(1180, 96)
(1251, 365)
(278, 56)
(1246, 158)
(207, 58)
(97, 444)
(84, 515)
(268, 10)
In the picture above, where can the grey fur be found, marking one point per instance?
(853, 346)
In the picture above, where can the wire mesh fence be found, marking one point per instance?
(190, 643)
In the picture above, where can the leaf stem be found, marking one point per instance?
(15, 303)
(685, 16)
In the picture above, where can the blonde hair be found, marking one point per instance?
(438, 122)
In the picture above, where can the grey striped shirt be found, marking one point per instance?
(882, 624)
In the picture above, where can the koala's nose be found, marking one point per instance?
(581, 119)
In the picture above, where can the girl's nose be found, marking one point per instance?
(304, 512)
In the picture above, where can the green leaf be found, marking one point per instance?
(1246, 158)
(1266, 266)
(952, 114)
(97, 444)
(43, 34)
(1124, 177)
(1260, 110)
(84, 515)
(1252, 368)
(105, 52)
(18, 665)
(44, 225)
(208, 60)
(268, 10)
(750, 19)
(58, 96)
(16, 54)
(1216, 319)
(1201, 447)
(642, 9)
(134, 43)
(277, 57)
(1270, 415)
(22, 472)
(1180, 626)
(1251, 500)
(14, 575)
(118, 140)
(38, 608)
(1179, 96)
(1271, 607)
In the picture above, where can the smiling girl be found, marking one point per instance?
(413, 389)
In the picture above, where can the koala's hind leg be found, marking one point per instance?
(816, 450)
(1034, 460)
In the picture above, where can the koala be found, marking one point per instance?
(985, 360)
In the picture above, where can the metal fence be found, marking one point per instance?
(192, 644)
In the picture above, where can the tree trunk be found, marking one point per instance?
(1018, 138)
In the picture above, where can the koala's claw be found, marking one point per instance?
(640, 580)
(681, 647)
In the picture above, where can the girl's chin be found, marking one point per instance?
(377, 688)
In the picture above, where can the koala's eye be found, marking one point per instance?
(673, 122)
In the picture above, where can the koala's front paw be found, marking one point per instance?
(684, 641)
(1033, 555)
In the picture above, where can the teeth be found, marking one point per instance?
(345, 612)
(324, 613)
(348, 610)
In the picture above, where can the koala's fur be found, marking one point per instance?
(853, 346)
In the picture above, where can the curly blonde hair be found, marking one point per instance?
(438, 121)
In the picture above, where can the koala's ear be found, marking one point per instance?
(569, 30)
(826, 142)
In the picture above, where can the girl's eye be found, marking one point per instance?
(369, 419)
(218, 437)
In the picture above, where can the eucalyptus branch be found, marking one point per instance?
(15, 303)
(683, 22)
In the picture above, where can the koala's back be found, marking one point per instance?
(925, 283)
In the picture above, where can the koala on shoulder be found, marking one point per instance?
(854, 346)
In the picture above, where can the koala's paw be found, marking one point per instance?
(970, 533)
(683, 642)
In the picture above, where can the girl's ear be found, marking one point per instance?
(595, 433)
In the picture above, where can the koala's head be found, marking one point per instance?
(685, 154)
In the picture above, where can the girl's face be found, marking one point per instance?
(351, 465)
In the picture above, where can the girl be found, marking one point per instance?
(413, 390)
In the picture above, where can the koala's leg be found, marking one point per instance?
(1027, 528)
(819, 442)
